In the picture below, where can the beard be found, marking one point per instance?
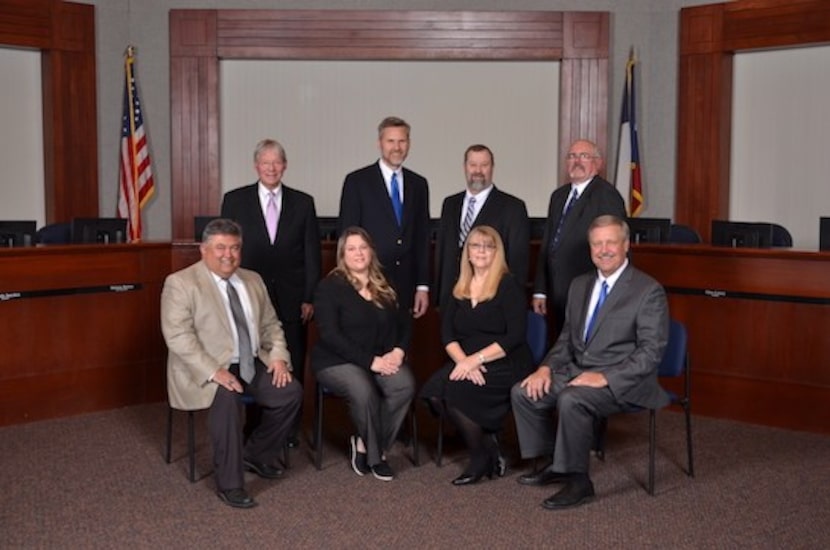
(477, 183)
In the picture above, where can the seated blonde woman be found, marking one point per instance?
(483, 332)
(360, 352)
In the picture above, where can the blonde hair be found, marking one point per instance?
(498, 269)
(382, 293)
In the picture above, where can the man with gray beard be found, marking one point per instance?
(481, 204)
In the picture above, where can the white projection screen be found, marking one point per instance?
(325, 113)
(780, 162)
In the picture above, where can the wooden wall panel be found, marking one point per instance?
(709, 37)
(65, 34)
(199, 38)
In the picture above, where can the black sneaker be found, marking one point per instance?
(383, 472)
(357, 459)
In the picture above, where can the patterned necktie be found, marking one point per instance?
(554, 243)
(469, 216)
(271, 216)
(603, 293)
(397, 205)
(246, 354)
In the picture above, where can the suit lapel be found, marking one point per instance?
(611, 301)
(206, 283)
(287, 212)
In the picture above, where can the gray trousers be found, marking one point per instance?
(578, 409)
(377, 404)
(225, 419)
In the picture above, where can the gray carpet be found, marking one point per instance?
(100, 481)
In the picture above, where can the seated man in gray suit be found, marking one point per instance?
(604, 361)
(224, 339)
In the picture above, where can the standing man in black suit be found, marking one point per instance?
(604, 362)
(282, 244)
(481, 204)
(565, 253)
(392, 204)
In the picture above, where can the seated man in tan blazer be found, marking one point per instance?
(224, 339)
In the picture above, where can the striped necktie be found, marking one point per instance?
(469, 216)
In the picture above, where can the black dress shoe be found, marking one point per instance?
(578, 490)
(545, 476)
(263, 470)
(469, 479)
(237, 498)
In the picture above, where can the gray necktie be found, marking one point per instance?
(469, 215)
(246, 355)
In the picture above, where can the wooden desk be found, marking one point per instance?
(81, 329)
(758, 322)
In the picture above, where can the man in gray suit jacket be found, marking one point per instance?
(604, 362)
(208, 310)
(490, 206)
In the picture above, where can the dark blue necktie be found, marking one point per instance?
(603, 293)
(397, 205)
(554, 243)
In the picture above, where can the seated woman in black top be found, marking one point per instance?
(483, 331)
(360, 351)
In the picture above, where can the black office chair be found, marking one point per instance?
(537, 340)
(781, 237)
(683, 234)
(55, 233)
(247, 400)
(675, 363)
(320, 395)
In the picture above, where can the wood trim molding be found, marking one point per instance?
(709, 37)
(200, 38)
(65, 34)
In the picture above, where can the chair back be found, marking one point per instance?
(683, 234)
(781, 237)
(674, 358)
(537, 336)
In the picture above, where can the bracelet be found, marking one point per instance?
(481, 358)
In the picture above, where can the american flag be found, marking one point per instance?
(135, 171)
(629, 178)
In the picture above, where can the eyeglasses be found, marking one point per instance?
(481, 247)
(580, 156)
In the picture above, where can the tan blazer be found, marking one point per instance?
(199, 336)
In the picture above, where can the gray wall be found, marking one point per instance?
(649, 26)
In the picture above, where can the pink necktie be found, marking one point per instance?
(271, 216)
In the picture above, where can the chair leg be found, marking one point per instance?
(318, 428)
(600, 432)
(191, 446)
(691, 471)
(416, 460)
(652, 444)
(439, 451)
(167, 450)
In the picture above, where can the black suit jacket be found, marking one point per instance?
(556, 270)
(290, 267)
(403, 250)
(502, 211)
(627, 342)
